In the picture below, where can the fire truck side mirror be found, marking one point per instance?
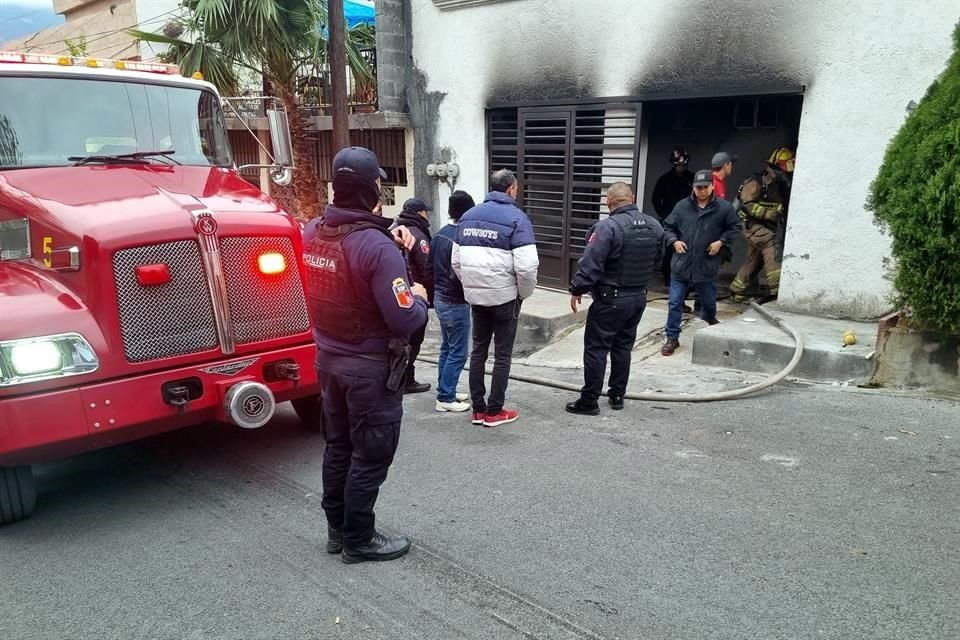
(280, 136)
(282, 176)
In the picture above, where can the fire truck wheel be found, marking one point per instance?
(310, 412)
(18, 494)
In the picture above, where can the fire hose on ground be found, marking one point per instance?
(685, 397)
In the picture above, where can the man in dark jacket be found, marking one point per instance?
(415, 216)
(622, 253)
(363, 307)
(453, 312)
(698, 229)
(672, 187)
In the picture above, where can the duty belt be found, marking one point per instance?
(609, 291)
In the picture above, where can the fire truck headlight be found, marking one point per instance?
(32, 358)
(272, 263)
(45, 358)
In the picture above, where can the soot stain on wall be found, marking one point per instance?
(719, 48)
(553, 84)
(540, 63)
(707, 49)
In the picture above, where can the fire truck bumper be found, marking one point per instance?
(244, 391)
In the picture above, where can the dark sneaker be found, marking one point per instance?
(711, 321)
(497, 419)
(582, 408)
(616, 402)
(334, 540)
(380, 548)
(416, 387)
(669, 347)
(478, 417)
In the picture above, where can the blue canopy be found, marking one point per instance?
(358, 12)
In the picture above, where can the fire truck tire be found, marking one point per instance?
(18, 494)
(310, 412)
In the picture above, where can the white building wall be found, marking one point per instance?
(861, 62)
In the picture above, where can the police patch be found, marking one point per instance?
(424, 247)
(593, 236)
(402, 293)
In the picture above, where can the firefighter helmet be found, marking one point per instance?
(679, 156)
(782, 158)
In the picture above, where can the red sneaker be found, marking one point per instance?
(478, 417)
(505, 416)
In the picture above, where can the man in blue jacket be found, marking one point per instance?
(699, 227)
(452, 309)
(495, 257)
(363, 310)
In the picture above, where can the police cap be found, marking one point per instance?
(416, 205)
(359, 161)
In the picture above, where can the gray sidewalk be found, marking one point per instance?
(742, 349)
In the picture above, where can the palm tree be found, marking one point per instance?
(277, 38)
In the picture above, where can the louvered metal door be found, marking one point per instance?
(567, 157)
(544, 162)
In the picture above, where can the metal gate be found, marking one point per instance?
(565, 158)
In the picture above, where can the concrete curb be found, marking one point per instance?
(749, 343)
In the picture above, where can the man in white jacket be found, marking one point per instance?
(495, 257)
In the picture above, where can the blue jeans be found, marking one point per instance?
(454, 333)
(707, 291)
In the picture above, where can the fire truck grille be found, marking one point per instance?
(263, 307)
(171, 319)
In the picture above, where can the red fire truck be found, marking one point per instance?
(144, 285)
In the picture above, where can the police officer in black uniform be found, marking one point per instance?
(363, 309)
(620, 257)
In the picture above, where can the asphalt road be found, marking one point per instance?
(804, 513)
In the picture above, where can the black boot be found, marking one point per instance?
(583, 408)
(616, 402)
(379, 548)
(416, 387)
(334, 540)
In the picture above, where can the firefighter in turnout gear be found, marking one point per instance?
(621, 255)
(762, 205)
(363, 308)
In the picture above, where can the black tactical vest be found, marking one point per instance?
(335, 308)
(637, 260)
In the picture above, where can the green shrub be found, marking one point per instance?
(916, 197)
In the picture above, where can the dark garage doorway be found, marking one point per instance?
(566, 155)
(749, 126)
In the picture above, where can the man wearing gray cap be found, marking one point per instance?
(722, 168)
(699, 227)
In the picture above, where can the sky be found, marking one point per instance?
(22, 17)
(30, 4)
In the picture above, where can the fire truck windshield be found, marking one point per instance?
(52, 121)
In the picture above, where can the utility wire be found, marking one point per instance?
(107, 34)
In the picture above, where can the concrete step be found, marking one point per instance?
(546, 316)
(750, 343)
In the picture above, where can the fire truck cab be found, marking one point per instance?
(144, 285)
